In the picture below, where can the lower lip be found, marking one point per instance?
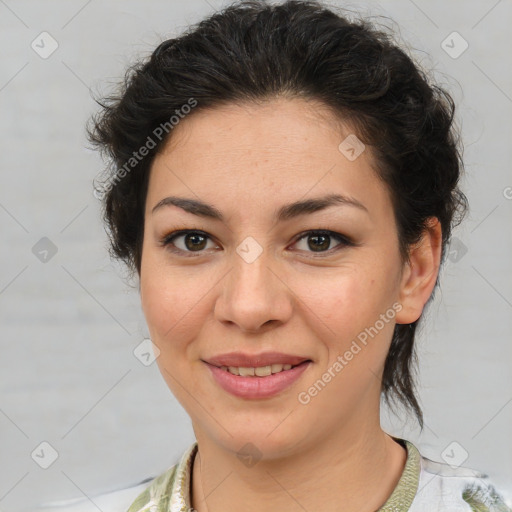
(257, 387)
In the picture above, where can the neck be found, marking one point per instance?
(359, 468)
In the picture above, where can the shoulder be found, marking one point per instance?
(443, 487)
(114, 501)
(134, 498)
(164, 492)
(158, 493)
(171, 490)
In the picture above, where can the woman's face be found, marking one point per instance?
(254, 282)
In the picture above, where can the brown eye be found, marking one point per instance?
(187, 241)
(321, 241)
(195, 241)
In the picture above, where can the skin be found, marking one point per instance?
(248, 161)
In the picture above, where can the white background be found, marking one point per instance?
(69, 326)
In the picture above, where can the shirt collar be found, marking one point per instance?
(400, 500)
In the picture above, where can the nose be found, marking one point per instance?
(254, 296)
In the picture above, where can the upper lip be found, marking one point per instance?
(239, 359)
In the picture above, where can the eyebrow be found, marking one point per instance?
(284, 213)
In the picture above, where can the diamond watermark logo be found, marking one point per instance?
(44, 455)
(44, 45)
(454, 45)
(456, 250)
(44, 250)
(249, 250)
(351, 147)
(454, 454)
(146, 352)
(249, 455)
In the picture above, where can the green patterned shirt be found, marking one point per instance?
(425, 486)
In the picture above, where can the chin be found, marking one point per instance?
(254, 442)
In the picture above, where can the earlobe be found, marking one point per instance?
(420, 273)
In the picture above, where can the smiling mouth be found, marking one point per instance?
(260, 371)
(257, 382)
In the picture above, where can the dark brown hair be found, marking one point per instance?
(252, 51)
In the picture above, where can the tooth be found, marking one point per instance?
(263, 371)
(246, 372)
(277, 368)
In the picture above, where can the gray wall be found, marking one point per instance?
(69, 325)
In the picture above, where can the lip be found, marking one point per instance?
(257, 387)
(254, 360)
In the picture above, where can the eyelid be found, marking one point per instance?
(344, 241)
(166, 240)
(319, 231)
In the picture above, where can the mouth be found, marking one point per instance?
(261, 376)
(257, 365)
(260, 371)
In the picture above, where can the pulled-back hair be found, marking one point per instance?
(254, 51)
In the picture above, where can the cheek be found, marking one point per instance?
(172, 305)
(343, 300)
(174, 314)
(344, 310)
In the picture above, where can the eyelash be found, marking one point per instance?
(167, 240)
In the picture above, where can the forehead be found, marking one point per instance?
(287, 126)
(281, 149)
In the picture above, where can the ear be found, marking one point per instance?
(420, 273)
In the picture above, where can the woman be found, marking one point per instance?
(284, 183)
